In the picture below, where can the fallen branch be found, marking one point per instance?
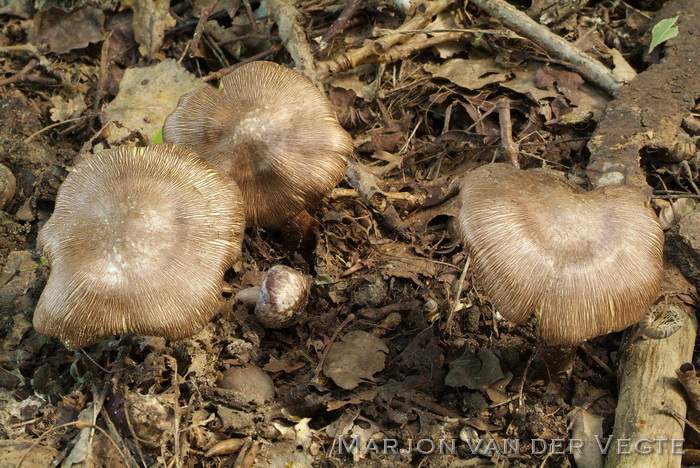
(421, 42)
(558, 47)
(340, 24)
(367, 186)
(354, 57)
(648, 383)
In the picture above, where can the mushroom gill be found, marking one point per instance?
(587, 263)
(272, 131)
(138, 243)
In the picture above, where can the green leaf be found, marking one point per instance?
(42, 262)
(157, 137)
(663, 31)
(323, 279)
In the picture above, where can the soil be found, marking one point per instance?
(375, 357)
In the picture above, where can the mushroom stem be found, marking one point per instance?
(248, 296)
(552, 361)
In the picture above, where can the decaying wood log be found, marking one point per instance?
(648, 383)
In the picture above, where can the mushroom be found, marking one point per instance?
(272, 131)
(585, 263)
(8, 184)
(284, 294)
(138, 243)
(248, 384)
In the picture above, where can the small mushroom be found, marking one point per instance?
(138, 243)
(272, 131)
(249, 384)
(8, 185)
(586, 263)
(284, 294)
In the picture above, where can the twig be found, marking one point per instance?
(203, 17)
(294, 38)
(117, 438)
(419, 43)
(595, 358)
(225, 71)
(339, 24)
(49, 127)
(28, 49)
(407, 197)
(521, 388)
(458, 294)
(508, 147)
(101, 81)
(31, 65)
(367, 186)
(176, 411)
(670, 411)
(354, 57)
(251, 17)
(327, 349)
(78, 424)
(522, 24)
(137, 440)
(216, 50)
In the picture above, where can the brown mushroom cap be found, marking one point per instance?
(588, 263)
(138, 243)
(272, 131)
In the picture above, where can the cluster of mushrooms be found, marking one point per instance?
(140, 238)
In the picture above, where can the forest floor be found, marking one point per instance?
(376, 357)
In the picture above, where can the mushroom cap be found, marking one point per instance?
(284, 294)
(8, 185)
(587, 263)
(138, 242)
(249, 383)
(272, 131)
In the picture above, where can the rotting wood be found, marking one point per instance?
(648, 383)
(648, 112)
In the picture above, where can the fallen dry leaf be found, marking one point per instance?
(586, 427)
(64, 31)
(147, 96)
(151, 19)
(355, 359)
(474, 372)
(469, 74)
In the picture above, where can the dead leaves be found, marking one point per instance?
(64, 31)
(355, 359)
(146, 97)
(151, 19)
